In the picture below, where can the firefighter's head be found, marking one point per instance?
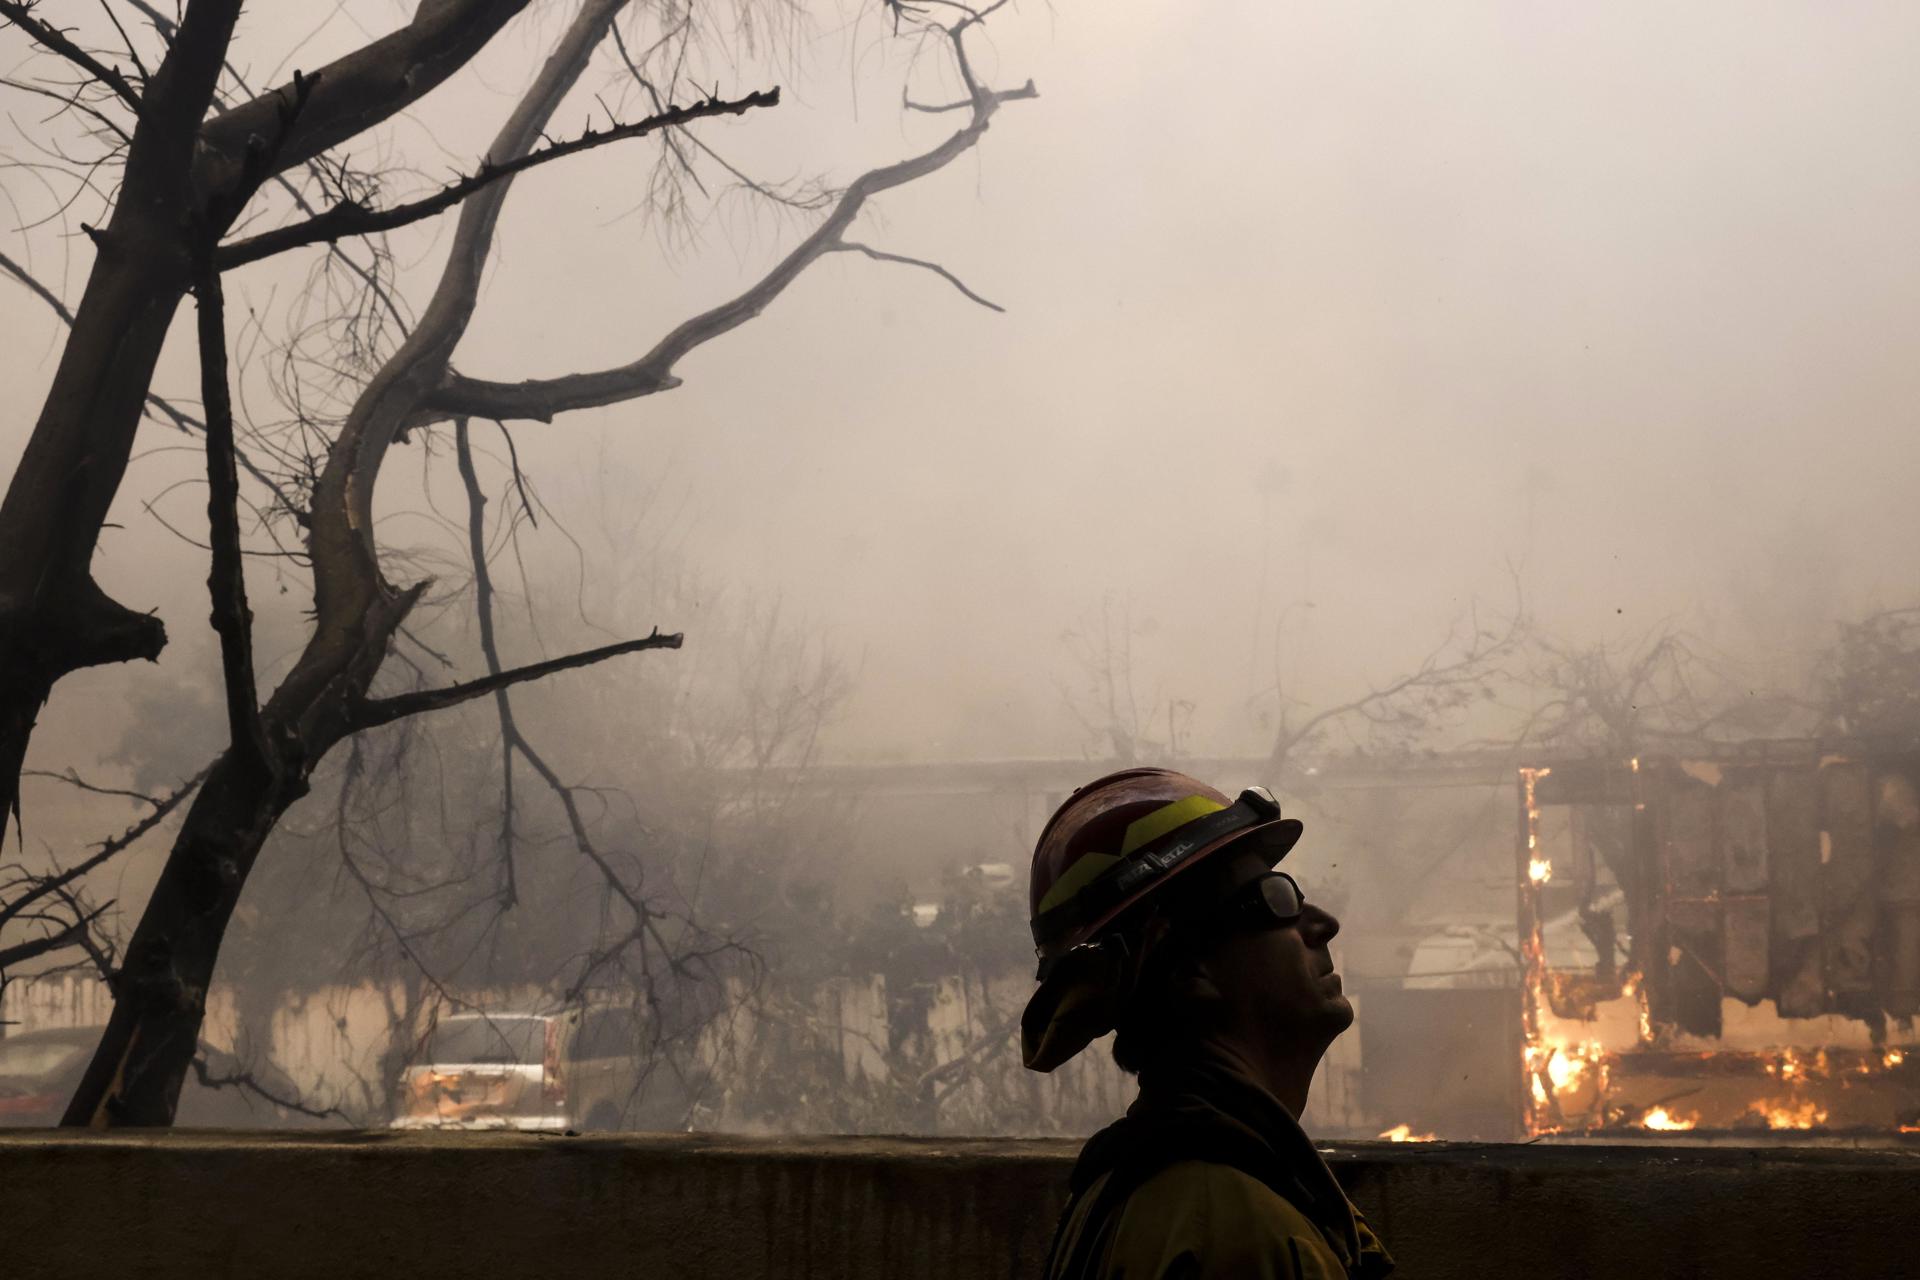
(1242, 957)
(1157, 912)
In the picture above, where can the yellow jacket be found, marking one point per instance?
(1209, 1176)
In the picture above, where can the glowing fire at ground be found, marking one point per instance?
(1405, 1133)
(1793, 1115)
(1661, 1118)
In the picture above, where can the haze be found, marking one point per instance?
(1349, 304)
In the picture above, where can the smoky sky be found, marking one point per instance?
(1367, 306)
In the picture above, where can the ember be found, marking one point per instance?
(1661, 1118)
(1798, 1115)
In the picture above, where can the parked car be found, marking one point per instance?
(39, 1071)
(584, 1069)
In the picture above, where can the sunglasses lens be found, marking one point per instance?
(1282, 895)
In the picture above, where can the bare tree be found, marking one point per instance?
(1665, 690)
(185, 181)
(1106, 701)
(1461, 671)
(1869, 679)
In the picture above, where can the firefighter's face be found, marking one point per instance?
(1280, 979)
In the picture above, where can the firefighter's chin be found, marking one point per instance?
(1339, 1008)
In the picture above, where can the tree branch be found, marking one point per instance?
(361, 89)
(226, 575)
(378, 711)
(851, 246)
(71, 935)
(107, 850)
(347, 577)
(178, 416)
(246, 1081)
(540, 399)
(55, 41)
(489, 646)
(350, 218)
(73, 779)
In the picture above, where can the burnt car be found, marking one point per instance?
(39, 1071)
(582, 1069)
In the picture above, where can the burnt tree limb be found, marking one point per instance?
(135, 1075)
(55, 41)
(326, 697)
(376, 712)
(543, 399)
(348, 218)
(226, 575)
(181, 168)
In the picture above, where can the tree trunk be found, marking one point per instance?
(160, 991)
(53, 619)
(186, 177)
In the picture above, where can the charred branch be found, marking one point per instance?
(378, 711)
(541, 399)
(56, 41)
(226, 578)
(77, 932)
(489, 646)
(38, 888)
(248, 1082)
(349, 218)
(166, 408)
(355, 92)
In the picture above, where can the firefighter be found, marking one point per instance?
(1158, 915)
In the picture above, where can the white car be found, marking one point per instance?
(584, 1069)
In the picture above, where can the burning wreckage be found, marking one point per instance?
(1727, 944)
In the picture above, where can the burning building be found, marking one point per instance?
(1723, 944)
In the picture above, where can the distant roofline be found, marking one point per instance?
(1480, 766)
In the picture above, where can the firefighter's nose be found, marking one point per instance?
(1318, 926)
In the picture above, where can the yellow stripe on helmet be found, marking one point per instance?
(1164, 819)
(1077, 877)
(1141, 832)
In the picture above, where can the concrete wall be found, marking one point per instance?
(207, 1206)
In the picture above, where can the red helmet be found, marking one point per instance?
(1114, 843)
(1121, 837)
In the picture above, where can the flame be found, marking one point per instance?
(1405, 1133)
(1793, 1115)
(1570, 1065)
(1583, 1070)
(1661, 1118)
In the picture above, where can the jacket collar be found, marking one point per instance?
(1207, 1108)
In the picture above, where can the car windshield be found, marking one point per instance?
(500, 1039)
(35, 1057)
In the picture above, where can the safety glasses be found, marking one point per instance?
(1272, 901)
